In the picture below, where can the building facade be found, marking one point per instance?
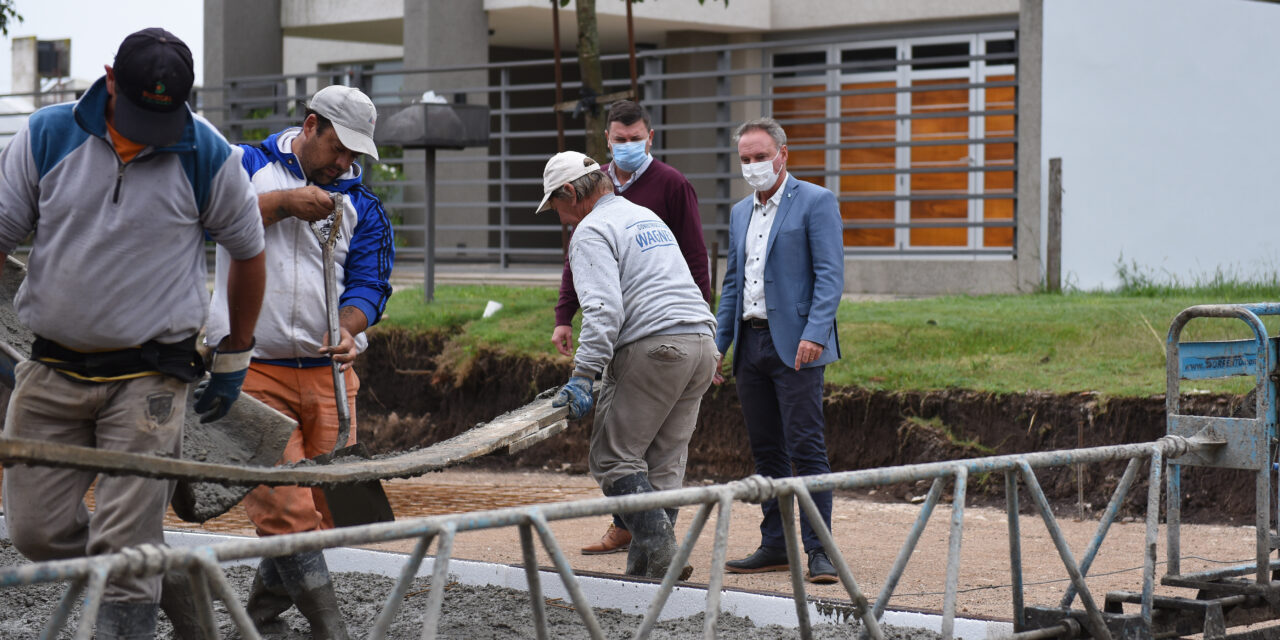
(921, 115)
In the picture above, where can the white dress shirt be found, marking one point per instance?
(757, 241)
(619, 186)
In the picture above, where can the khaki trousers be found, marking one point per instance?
(44, 507)
(648, 409)
(306, 395)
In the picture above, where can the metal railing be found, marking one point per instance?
(88, 577)
(693, 110)
(693, 115)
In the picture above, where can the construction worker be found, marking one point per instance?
(647, 333)
(117, 192)
(661, 188)
(296, 172)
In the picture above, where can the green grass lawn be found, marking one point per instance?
(1112, 343)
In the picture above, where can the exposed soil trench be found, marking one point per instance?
(407, 399)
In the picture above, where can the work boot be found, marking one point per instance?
(267, 600)
(653, 540)
(615, 539)
(306, 577)
(126, 621)
(178, 603)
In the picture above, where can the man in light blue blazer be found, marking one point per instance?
(782, 285)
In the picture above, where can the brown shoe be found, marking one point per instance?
(613, 541)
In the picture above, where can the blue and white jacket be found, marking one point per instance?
(118, 253)
(294, 320)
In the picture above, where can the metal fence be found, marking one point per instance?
(87, 577)
(906, 143)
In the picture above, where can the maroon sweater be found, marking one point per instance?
(666, 192)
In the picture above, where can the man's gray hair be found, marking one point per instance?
(767, 125)
(586, 186)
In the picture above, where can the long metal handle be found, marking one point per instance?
(328, 238)
(335, 336)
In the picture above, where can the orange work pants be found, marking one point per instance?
(306, 395)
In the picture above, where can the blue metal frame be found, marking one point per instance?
(1249, 440)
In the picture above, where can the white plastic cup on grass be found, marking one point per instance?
(491, 308)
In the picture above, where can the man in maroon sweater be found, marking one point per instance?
(659, 187)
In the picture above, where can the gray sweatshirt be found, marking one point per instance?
(632, 282)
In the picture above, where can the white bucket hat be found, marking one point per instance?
(563, 168)
(352, 114)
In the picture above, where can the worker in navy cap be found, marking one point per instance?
(118, 191)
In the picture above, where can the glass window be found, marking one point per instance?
(865, 60)
(804, 58)
(920, 54)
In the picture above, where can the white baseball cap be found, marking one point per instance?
(352, 114)
(563, 168)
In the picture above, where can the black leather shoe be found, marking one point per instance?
(821, 571)
(764, 559)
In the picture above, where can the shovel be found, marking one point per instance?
(364, 502)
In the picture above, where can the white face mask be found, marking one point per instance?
(760, 175)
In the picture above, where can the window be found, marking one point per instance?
(915, 137)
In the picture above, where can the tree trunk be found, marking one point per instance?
(589, 64)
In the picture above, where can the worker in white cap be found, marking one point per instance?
(647, 335)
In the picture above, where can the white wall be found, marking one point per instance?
(1165, 117)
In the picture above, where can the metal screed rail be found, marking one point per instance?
(1223, 600)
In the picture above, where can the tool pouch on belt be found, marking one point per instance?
(179, 360)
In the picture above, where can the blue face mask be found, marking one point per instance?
(628, 156)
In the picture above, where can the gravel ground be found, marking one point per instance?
(469, 612)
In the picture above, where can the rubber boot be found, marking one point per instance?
(267, 600)
(653, 539)
(179, 606)
(306, 577)
(126, 621)
(672, 514)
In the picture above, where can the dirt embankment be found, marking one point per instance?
(408, 399)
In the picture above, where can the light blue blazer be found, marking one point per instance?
(803, 273)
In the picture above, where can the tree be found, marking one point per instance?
(8, 15)
(592, 84)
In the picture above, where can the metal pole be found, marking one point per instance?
(1015, 549)
(1153, 526)
(953, 554)
(1053, 261)
(908, 547)
(534, 580)
(1117, 500)
(631, 49)
(786, 507)
(555, 45)
(429, 229)
(719, 553)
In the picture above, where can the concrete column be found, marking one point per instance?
(241, 38)
(22, 64)
(1028, 214)
(443, 34)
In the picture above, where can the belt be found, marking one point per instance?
(756, 323)
(296, 363)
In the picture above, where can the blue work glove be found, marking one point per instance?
(215, 395)
(577, 394)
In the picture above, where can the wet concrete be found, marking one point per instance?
(469, 612)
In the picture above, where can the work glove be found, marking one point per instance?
(577, 394)
(215, 394)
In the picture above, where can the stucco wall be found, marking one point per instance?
(1168, 133)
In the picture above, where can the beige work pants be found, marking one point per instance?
(44, 507)
(648, 409)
